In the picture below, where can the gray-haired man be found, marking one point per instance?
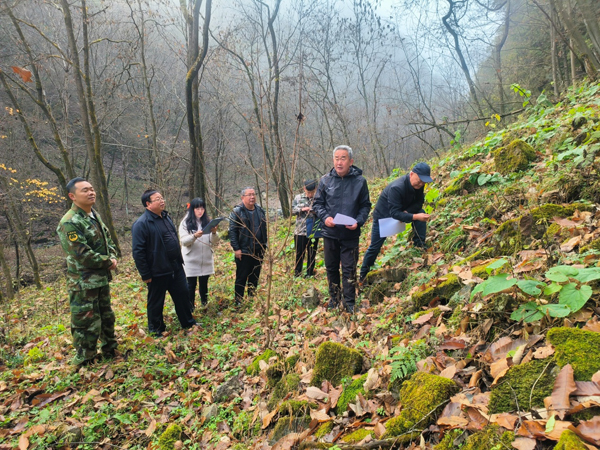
(248, 238)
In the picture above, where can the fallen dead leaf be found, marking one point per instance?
(564, 386)
(543, 352)
(570, 244)
(524, 443)
(590, 430)
(315, 393)
(319, 415)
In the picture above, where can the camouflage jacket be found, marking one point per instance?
(89, 249)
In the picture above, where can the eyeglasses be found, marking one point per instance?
(249, 195)
(159, 199)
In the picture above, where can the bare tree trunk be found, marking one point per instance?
(10, 292)
(498, 57)
(556, 75)
(88, 116)
(197, 183)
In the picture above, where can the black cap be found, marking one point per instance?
(310, 185)
(423, 171)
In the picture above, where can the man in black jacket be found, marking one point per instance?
(342, 191)
(157, 256)
(248, 238)
(402, 200)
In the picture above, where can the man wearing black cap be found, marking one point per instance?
(304, 242)
(402, 200)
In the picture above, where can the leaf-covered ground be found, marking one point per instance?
(489, 339)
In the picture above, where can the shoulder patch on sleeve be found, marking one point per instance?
(72, 236)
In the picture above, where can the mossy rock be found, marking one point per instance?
(444, 290)
(515, 157)
(436, 313)
(243, 427)
(378, 292)
(287, 425)
(297, 407)
(447, 443)
(254, 367)
(422, 397)
(517, 383)
(357, 436)
(280, 368)
(580, 348)
(335, 362)
(570, 441)
(491, 437)
(480, 271)
(508, 238)
(392, 275)
(324, 428)
(287, 384)
(171, 435)
(349, 393)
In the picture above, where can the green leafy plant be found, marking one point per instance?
(404, 359)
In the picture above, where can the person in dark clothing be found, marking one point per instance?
(248, 238)
(157, 256)
(304, 243)
(402, 200)
(342, 191)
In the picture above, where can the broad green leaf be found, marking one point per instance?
(530, 287)
(574, 298)
(555, 310)
(495, 265)
(553, 288)
(527, 312)
(497, 283)
(560, 274)
(588, 274)
(476, 289)
(483, 178)
(551, 424)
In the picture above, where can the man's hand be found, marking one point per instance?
(149, 280)
(238, 254)
(306, 209)
(113, 265)
(329, 222)
(421, 217)
(352, 227)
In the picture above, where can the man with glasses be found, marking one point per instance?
(157, 255)
(248, 238)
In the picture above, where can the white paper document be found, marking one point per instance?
(341, 219)
(389, 227)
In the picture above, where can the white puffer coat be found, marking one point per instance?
(197, 252)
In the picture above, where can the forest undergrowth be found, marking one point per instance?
(490, 339)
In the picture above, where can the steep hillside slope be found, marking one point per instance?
(490, 339)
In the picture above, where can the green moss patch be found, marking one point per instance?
(349, 393)
(444, 290)
(254, 367)
(518, 383)
(296, 407)
(243, 427)
(324, 428)
(508, 238)
(358, 435)
(287, 384)
(491, 437)
(287, 425)
(276, 371)
(335, 362)
(515, 157)
(171, 435)
(570, 441)
(422, 397)
(447, 443)
(580, 348)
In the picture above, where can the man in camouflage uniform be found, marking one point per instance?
(91, 256)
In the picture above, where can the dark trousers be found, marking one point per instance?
(247, 272)
(202, 288)
(344, 252)
(176, 285)
(419, 229)
(305, 246)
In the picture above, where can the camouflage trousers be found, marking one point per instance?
(92, 318)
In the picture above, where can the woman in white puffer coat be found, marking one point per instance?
(197, 249)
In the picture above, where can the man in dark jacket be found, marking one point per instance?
(342, 191)
(402, 200)
(157, 255)
(248, 238)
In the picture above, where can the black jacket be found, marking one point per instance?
(241, 235)
(348, 195)
(399, 200)
(148, 248)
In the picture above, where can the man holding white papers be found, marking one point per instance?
(342, 203)
(401, 200)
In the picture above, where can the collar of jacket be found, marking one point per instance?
(241, 205)
(81, 211)
(164, 214)
(353, 172)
